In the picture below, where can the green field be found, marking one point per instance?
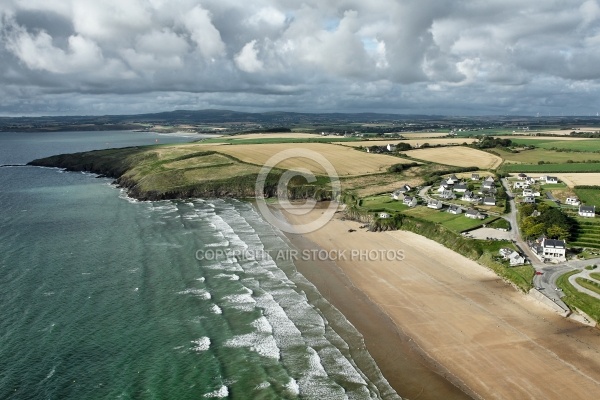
(588, 145)
(539, 154)
(456, 223)
(574, 167)
(576, 299)
(589, 284)
(589, 196)
(588, 233)
(382, 203)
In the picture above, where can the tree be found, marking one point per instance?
(536, 230)
(557, 232)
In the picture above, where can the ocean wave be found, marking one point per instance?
(220, 393)
(215, 309)
(201, 293)
(201, 344)
(231, 277)
(262, 344)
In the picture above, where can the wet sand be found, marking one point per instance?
(436, 319)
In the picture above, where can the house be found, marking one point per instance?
(489, 191)
(435, 204)
(452, 180)
(474, 177)
(552, 250)
(490, 179)
(572, 201)
(397, 195)
(470, 196)
(520, 185)
(527, 192)
(384, 215)
(512, 256)
(391, 147)
(521, 176)
(454, 210)
(489, 201)
(410, 201)
(528, 200)
(448, 195)
(488, 185)
(587, 211)
(530, 180)
(460, 187)
(404, 189)
(444, 186)
(536, 194)
(474, 214)
(549, 179)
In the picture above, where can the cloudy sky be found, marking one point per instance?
(462, 57)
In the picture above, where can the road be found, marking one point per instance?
(546, 274)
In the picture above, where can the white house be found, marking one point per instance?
(512, 256)
(490, 179)
(474, 177)
(384, 215)
(549, 179)
(391, 147)
(528, 199)
(527, 192)
(448, 195)
(444, 186)
(488, 184)
(454, 210)
(470, 196)
(452, 180)
(489, 201)
(552, 250)
(572, 201)
(397, 195)
(522, 176)
(520, 185)
(435, 204)
(587, 211)
(536, 194)
(474, 214)
(460, 187)
(410, 201)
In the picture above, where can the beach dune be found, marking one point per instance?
(486, 337)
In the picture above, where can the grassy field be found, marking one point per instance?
(588, 233)
(590, 196)
(456, 223)
(345, 160)
(589, 284)
(382, 203)
(553, 168)
(586, 145)
(535, 155)
(412, 142)
(267, 139)
(576, 299)
(459, 156)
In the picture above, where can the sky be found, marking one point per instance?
(452, 57)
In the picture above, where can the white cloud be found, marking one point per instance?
(247, 59)
(205, 35)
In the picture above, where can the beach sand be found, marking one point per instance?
(436, 317)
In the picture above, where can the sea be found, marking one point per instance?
(105, 297)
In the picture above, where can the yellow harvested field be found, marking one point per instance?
(210, 160)
(459, 156)
(412, 142)
(572, 178)
(292, 135)
(345, 160)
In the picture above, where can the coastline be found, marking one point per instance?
(449, 323)
(408, 369)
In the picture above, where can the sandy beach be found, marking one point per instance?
(432, 317)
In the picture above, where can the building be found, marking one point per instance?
(410, 201)
(470, 196)
(460, 187)
(444, 186)
(474, 177)
(435, 204)
(550, 250)
(527, 192)
(490, 179)
(587, 211)
(572, 201)
(549, 179)
(384, 215)
(520, 185)
(528, 200)
(474, 214)
(448, 195)
(452, 180)
(391, 147)
(488, 185)
(522, 176)
(489, 201)
(513, 257)
(453, 209)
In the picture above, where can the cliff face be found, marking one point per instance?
(147, 175)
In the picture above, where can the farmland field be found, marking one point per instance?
(590, 196)
(459, 156)
(576, 144)
(557, 157)
(412, 142)
(346, 161)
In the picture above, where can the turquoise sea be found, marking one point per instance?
(104, 297)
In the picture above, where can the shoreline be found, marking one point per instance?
(410, 371)
(467, 326)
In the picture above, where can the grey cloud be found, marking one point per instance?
(86, 56)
